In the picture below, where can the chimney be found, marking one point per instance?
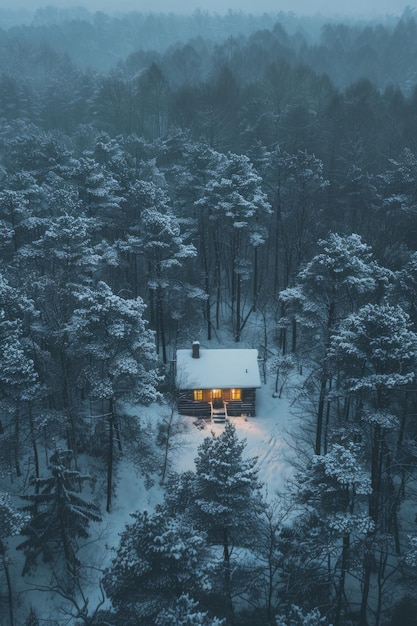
(196, 350)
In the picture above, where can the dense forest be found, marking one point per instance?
(165, 178)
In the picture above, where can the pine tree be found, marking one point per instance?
(398, 190)
(375, 352)
(59, 515)
(19, 380)
(227, 498)
(334, 283)
(234, 208)
(297, 617)
(334, 489)
(11, 522)
(186, 613)
(164, 251)
(159, 558)
(117, 357)
(225, 483)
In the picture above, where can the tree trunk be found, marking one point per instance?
(167, 442)
(341, 586)
(277, 379)
(206, 269)
(34, 446)
(118, 433)
(283, 333)
(403, 424)
(374, 515)
(320, 413)
(70, 560)
(294, 336)
(218, 292)
(276, 250)
(228, 577)
(16, 441)
(363, 619)
(326, 427)
(161, 325)
(153, 318)
(217, 273)
(375, 476)
(233, 281)
(208, 302)
(238, 294)
(8, 582)
(110, 459)
(283, 341)
(381, 578)
(255, 277)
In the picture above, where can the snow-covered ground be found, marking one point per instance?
(268, 437)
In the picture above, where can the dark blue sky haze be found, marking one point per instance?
(364, 8)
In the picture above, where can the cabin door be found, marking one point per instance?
(216, 398)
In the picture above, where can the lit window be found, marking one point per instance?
(198, 394)
(216, 393)
(235, 394)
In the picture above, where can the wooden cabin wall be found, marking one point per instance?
(201, 408)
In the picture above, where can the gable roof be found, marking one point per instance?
(218, 369)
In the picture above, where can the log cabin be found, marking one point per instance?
(217, 383)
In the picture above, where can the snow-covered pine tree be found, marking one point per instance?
(117, 357)
(19, 380)
(188, 166)
(186, 612)
(334, 489)
(333, 284)
(97, 187)
(235, 208)
(398, 190)
(297, 617)
(227, 499)
(296, 186)
(59, 516)
(65, 259)
(164, 251)
(404, 290)
(375, 353)
(159, 558)
(14, 211)
(11, 522)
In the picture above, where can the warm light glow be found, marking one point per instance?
(198, 394)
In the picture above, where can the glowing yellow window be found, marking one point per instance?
(198, 394)
(235, 394)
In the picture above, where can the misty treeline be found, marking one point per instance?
(184, 193)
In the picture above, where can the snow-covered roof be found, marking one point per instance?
(218, 369)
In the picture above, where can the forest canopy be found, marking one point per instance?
(167, 177)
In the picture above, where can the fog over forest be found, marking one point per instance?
(299, 7)
(228, 180)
